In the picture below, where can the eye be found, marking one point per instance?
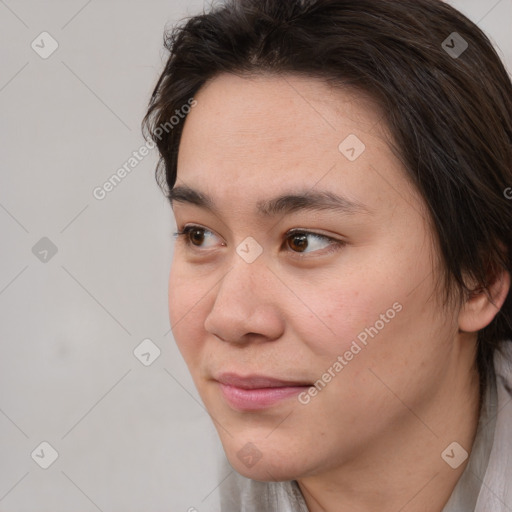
(300, 241)
(197, 236)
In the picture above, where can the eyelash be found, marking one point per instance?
(334, 244)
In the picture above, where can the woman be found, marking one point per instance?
(340, 288)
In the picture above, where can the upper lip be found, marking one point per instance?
(256, 381)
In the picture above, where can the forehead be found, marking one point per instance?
(251, 137)
(277, 114)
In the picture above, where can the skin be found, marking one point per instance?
(372, 438)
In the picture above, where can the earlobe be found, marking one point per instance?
(482, 305)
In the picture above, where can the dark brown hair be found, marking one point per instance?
(449, 113)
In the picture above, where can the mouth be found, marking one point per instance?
(256, 392)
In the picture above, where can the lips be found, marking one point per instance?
(256, 392)
(257, 381)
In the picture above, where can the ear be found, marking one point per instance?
(482, 305)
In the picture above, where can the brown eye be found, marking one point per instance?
(196, 236)
(303, 243)
(298, 242)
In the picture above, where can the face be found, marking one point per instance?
(301, 292)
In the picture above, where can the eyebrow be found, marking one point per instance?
(284, 204)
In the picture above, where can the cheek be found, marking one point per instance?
(177, 299)
(373, 310)
(338, 310)
(188, 299)
(398, 335)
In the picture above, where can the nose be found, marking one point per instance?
(246, 307)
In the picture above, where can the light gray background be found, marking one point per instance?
(129, 437)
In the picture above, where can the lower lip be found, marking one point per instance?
(256, 399)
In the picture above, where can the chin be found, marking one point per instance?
(262, 463)
(264, 471)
